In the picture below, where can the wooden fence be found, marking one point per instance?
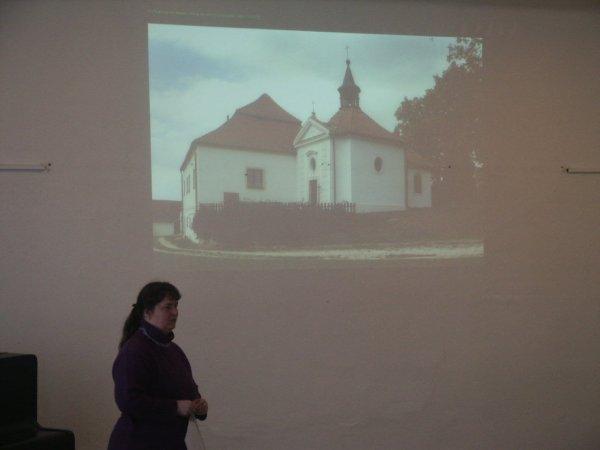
(247, 224)
(343, 206)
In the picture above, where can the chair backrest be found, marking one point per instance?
(18, 397)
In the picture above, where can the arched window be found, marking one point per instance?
(313, 164)
(378, 164)
(417, 183)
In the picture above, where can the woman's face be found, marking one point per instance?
(164, 315)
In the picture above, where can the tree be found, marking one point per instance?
(444, 124)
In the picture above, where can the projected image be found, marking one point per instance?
(305, 147)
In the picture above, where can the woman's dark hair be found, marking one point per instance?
(150, 295)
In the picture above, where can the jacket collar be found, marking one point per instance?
(155, 334)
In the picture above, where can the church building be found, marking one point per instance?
(263, 153)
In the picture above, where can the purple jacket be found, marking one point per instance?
(151, 373)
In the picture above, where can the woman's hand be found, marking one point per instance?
(199, 407)
(184, 408)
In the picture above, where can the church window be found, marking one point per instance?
(417, 183)
(378, 164)
(313, 164)
(254, 179)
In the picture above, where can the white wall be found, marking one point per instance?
(343, 167)
(374, 191)
(502, 354)
(76, 241)
(188, 203)
(224, 170)
(163, 229)
(419, 199)
(321, 151)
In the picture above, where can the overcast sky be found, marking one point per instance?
(199, 75)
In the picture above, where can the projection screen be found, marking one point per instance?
(287, 148)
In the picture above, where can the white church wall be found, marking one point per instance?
(422, 199)
(343, 176)
(374, 191)
(224, 170)
(163, 229)
(188, 203)
(320, 151)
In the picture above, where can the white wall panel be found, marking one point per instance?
(499, 353)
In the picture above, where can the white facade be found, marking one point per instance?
(188, 203)
(372, 190)
(163, 229)
(419, 199)
(326, 169)
(343, 165)
(344, 169)
(313, 162)
(221, 171)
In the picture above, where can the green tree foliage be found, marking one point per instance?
(444, 124)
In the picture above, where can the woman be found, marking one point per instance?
(154, 387)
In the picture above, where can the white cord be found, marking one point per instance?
(202, 446)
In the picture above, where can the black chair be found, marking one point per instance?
(45, 439)
(19, 429)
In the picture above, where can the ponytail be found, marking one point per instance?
(132, 323)
(150, 295)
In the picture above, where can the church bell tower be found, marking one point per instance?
(349, 90)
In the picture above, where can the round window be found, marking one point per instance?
(313, 164)
(378, 164)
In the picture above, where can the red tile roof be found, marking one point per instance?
(262, 125)
(353, 121)
(264, 107)
(265, 126)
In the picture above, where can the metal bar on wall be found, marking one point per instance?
(43, 167)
